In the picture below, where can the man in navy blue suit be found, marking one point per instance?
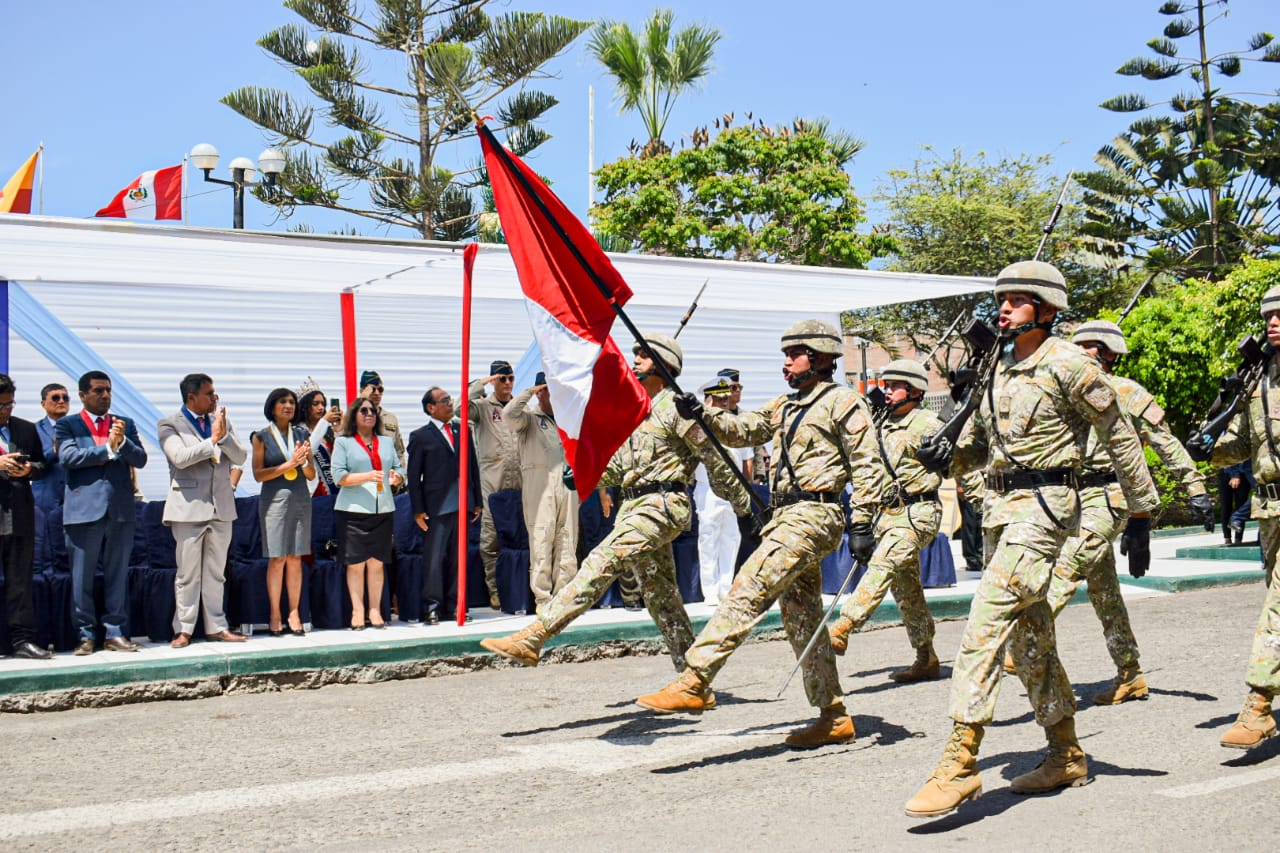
(97, 448)
(49, 490)
(433, 494)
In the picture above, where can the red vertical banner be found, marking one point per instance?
(464, 432)
(348, 302)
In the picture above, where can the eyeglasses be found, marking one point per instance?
(735, 387)
(58, 398)
(376, 389)
(506, 379)
(365, 410)
(4, 407)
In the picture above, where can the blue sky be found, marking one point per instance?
(115, 93)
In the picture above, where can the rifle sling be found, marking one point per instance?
(785, 449)
(1266, 415)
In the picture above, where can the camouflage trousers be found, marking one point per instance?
(787, 568)
(895, 566)
(1009, 606)
(1264, 660)
(1090, 557)
(641, 542)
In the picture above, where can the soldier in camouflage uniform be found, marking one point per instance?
(1252, 435)
(823, 441)
(654, 470)
(1103, 514)
(910, 514)
(1030, 431)
(496, 452)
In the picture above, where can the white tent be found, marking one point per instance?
(260, 310)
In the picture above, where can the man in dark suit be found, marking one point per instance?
(20, 462)
(97, 450)
(50, 490)
(433, 494)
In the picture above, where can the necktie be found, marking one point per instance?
(204, 425)
(99, 423)
(448, 433)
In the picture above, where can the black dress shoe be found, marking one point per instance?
(84, 647)
(31, 651)
(120, 644)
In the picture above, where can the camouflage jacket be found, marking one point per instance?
(834, 446)
(1147, 419)
(902, 437)
(495, 442)
(1045, 407)
(1246, 438)
(667, 448)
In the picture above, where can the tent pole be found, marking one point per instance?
(464, 433)
(347, 300)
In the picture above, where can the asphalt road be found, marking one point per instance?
(558, 758)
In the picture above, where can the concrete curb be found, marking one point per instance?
(218, 673)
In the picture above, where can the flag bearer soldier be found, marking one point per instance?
(1030, 431)
(911, 514)
(823, 442)
(654, 470)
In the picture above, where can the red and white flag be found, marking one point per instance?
(152, 195)
(597, 399)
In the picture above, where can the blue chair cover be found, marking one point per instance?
(407, 535)
(328, 589)
(138, 556)
(324, 530)
(161, 549)
(684, 548)
(151, 602)
(57, 541)
(42, 554)
(512, 566)
(593, 527)
(247, 601)
(836, 567)
(937, 565)
(246, 533)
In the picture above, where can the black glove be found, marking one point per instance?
(1136, 543)
(1202, 511)
(1200, 447)
(688, 406)
(960, 380)
(935, 454)
(862, 542)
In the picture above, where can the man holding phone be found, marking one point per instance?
(21, 461)
(96, 451)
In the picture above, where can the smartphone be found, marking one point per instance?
(333, 403)
(20, 458)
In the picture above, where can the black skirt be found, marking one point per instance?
(366, 536)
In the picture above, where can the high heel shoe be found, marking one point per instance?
(297, 632)
(359, 627)
(276, 632)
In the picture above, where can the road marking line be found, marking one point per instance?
(1225, 783)
(588, 757)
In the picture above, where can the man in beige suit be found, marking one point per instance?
(202, 448)
(499, 466)
(550, 508)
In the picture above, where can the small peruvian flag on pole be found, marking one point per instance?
(152, 195)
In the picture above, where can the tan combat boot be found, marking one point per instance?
(1064, 767)
(1254, 725)
(955, 779)
(1008, 663)
(925, 667)
(1129, 683)
(523, 647)
(840, 630)
(688, 694)
(834, 725)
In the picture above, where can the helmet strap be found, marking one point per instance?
(1019, 331)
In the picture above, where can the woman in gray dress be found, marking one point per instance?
(282, 464)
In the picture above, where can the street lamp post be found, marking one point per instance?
(270, 162)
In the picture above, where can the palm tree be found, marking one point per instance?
(653, 67)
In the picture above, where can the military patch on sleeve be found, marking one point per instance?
(1153, 414)
(1099, 394)
(856, 423)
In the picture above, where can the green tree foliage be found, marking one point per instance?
(1182, 341)
(1195, 192)
(651, 68)
(373, 144)
(750, 194)
(958, 215)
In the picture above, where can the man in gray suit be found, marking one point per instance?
(202, 448)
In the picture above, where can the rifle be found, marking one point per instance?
(1048, 227)
(694, 307)
(1233, 391)
(970, 382)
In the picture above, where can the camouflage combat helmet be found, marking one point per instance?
(1034, 277)
(817, 335)
(1271, 301)
(666, 348)
(908, 371)
(1106, 333)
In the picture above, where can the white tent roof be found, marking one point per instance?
(256, 310)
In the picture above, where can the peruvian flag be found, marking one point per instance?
(152, 195)
(564, 274)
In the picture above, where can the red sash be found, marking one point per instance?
(100, 436)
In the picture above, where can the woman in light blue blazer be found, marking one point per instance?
(366, 468)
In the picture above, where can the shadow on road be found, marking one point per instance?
(1217, 722)
(755, 752)
(889, 684)
(1185, 694)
